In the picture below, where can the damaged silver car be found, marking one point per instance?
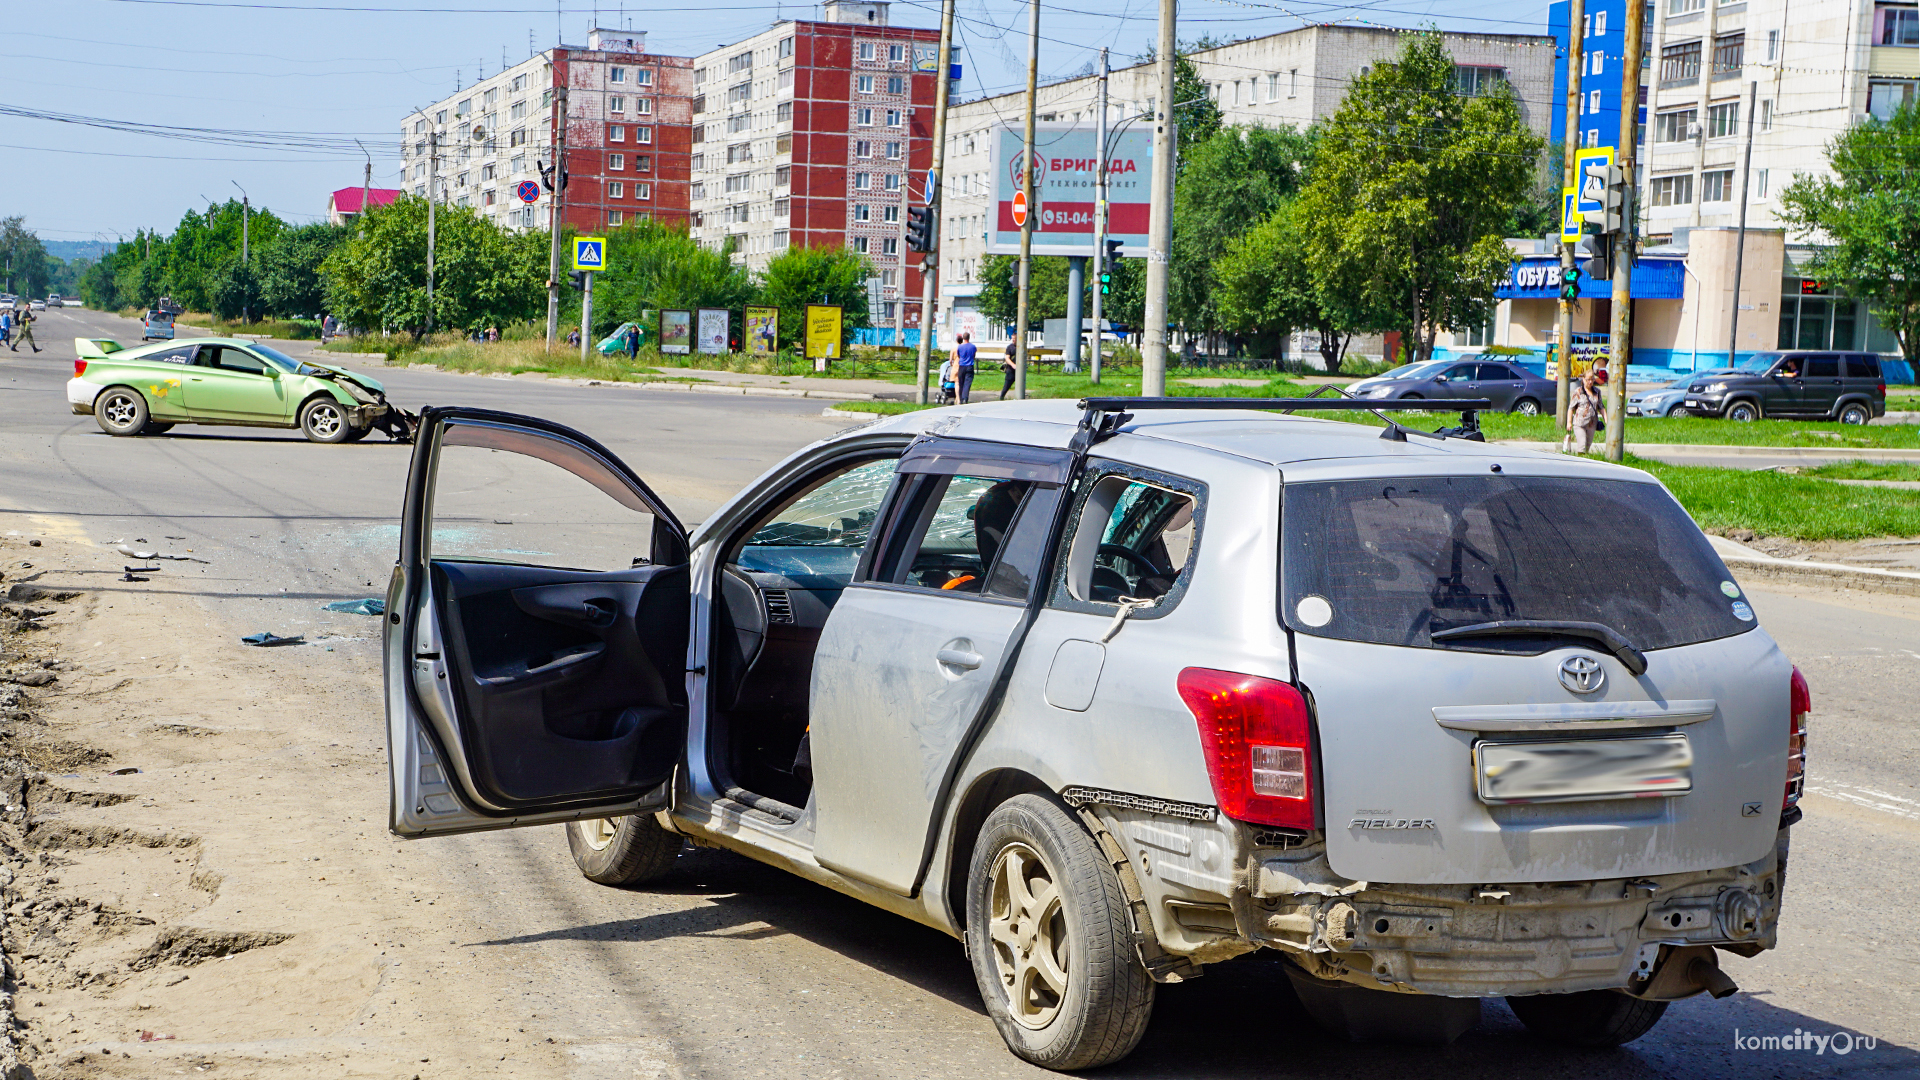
(1116, 692)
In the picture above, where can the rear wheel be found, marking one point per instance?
(1050, 940)
(1588, 1018)
(156, 427)
(324, 420)
(121, 411)
(1526, 406)
(1855, 413)
(1743, 411)
(629, 850)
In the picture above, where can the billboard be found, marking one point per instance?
(822, 337)
(712, 338)
(1064, 171)
(676, 332)
(763, 330)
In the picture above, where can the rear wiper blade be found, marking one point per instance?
(1616, 643)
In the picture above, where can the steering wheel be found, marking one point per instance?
(1140, 562)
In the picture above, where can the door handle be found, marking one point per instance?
(959, 658)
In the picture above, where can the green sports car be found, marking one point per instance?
(147, 389)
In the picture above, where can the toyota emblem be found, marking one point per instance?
(1582, 674)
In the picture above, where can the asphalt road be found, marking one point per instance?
(734, 970)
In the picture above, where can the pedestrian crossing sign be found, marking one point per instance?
(1570, 220)
(589, 253)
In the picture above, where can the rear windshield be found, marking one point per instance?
(1394, 560)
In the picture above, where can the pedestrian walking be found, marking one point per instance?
(6, 327)
(573, 338)
(633, 342)
(1006, 365)
(1583, 412)
(26, 332)
(963, 355)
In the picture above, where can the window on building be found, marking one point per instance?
(893, 117)
(783, 113)
(1596, 62)
(616, 103)
(519, 165)
(862, 212)
(490, 96)
(786, 48)
(860, 244)
(739, 152)
(783, 144)
(1723, 120)
(616, 162)
(887, 278)
(486, 172)
(1672, 127)
(517, 111)
(440, 117)
(643, 163)
(1673, 190)
(866, 50)
(465, 107)
(615, 217)
(1600, 24)
(1716, 185)
(862, 181)
(1685, 7)
(643, 106)
(1729, 55)
(783, 176)
(643, 191)
(616, 133)
(643, 77)
(863, 84)
(863, 117)
(893, 181)
(1759, 184)
(739, 182)
(1680, 64)
(1766, 115)
(1900, 26)
(699, 76)
(893, 151)
(616, 190)
(742, 62)
(1593, 102)
(1473, 81)
(517, 84)
(784, 81)
(1236, 91)
(862, 148)
(699, 104)
(1886, 97)
(616, 74)
(486, 198)
(739, 122)
(699, 133)
(1773, 45)
(419, 126)
(698, 191)
(517, 137)
(890, 246)
(896, 84)
(890, 212)
(896, 53)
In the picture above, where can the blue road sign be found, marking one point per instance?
(528, 191)
(589, 252)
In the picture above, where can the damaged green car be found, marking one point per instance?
(147, 389)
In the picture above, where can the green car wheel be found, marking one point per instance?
(121, 411)
(324, 420)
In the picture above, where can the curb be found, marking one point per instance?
(848, 414)
(1825, 575)
(1798, 453)
(747, 391)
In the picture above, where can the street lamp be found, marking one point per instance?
(246, 208)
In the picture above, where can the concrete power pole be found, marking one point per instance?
(558, 203)
(1740, 242)
(433, 196)
(1100, 211)
(930, 275)
(1033, 203)
(1620, 344)
(586, 314)
(1153, 356)
(1576, 66)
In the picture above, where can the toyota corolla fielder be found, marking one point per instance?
(1114, 696)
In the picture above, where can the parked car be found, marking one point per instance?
(1800, 384)
(1669, 400)
(1021, 673)
(1510, 387)
(147, 389)
(38, 305)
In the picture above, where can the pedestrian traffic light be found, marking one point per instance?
(1604, 184)
(578, 278)
(919, 228)
(1106, 283)
(1593, 257)
(1570, 283)
(1111, 257)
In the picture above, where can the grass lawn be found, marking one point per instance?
(1864, 470)
(1776, 504)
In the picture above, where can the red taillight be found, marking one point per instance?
(1259, 751)
(1883, 389)
(79, 368)
(1800, 703)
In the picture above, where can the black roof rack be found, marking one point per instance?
(1105, 415)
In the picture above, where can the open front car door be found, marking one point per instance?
(536, 631)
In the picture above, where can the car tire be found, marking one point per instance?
(1038, 889)
(1675, 412)
(156, 427)
(121, 411)
(1743, 411)
(324, 420)
(1412, 397)
(1855, 413)
(1526, 406)
(355, 434)
(1588, 1018)
(630, 850)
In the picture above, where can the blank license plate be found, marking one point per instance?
(1573, 770)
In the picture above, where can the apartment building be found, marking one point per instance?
(1294, 78)
(629, 135)
(813, 134)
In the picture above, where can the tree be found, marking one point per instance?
(1196, 117)
(23, 258)
(816, 275)
(201, 248)
(1412, 185)
(235, 292)
(999, 298)
(1227, 183)
(289, 270)
(652, 266)
(483, 275)
(1869, 211)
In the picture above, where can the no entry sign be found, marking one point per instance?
(1019, 209)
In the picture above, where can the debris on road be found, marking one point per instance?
(370, 606)
(141, 569)
(264, 639)
(146, 556)
(134, 577)
(149, 1036)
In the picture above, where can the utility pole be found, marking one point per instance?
(1033, 204)
(900, 246)
(1740, 242)
(433, 196)
(246, 211)
(1620, 344)
(559, 202)
(1153, 356)
(586, 314)
(1576, 67)
(366, 187)
(930, 274)
(1100, 210)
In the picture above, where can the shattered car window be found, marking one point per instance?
(838, 513)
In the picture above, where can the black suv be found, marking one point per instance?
(1843, 386)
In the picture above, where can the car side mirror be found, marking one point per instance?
(1439, 378)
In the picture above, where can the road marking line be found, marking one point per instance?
(1867, 797)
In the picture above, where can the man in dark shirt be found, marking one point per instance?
(963, 355)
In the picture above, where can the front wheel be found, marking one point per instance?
(1051, 942)
(1743, 411)
(1588, 1018)
(1526, 406)
(324, 420)
(1855, 413)
(1675, 412)
(121, 411)
(355, 434)
(630, 850)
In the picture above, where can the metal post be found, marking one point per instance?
(900, 249)
(1620, 345)
(553, 214)
(1076, 290)
(366, 189)
(930, 275)
(586, 316)
(1100, 213)
(1576, 67)
(433, 197)
(1153, 354)
(1033, 204)
(1740, 242)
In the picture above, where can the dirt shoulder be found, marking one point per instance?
(197, 873)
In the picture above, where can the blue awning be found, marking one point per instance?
(1538, 278)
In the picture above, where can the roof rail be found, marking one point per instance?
(1105, 415)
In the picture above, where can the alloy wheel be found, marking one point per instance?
(598, 832)
(324, 421)
(120, 410)
(1029, 931)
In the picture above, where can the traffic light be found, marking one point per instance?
(1570, 283)
(1593, 257)
(578, 278)
(1603, 183)
(919, 228)
(1109, 262)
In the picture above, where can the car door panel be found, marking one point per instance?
(161, 377)
(1499, 384)
(519, 694)
(222, 386)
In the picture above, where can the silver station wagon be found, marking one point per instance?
(1117, 691)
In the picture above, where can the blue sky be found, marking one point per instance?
(297, 83)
